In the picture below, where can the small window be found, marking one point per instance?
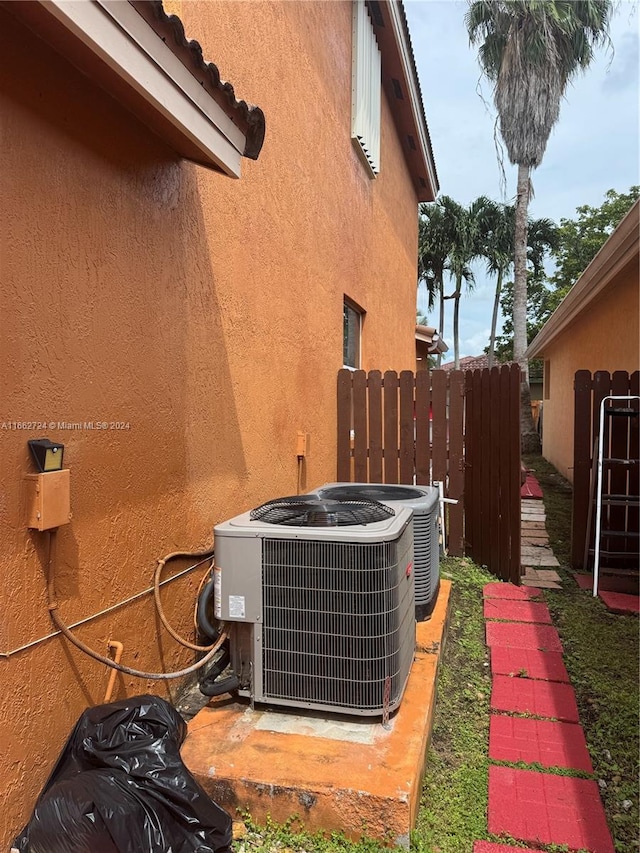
(365, 87)
(351, 333)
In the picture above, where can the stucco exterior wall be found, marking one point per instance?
(605, 336)
(202, 312)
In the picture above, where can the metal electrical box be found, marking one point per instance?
(48, 499)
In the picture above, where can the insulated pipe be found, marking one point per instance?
(52, 604)
(156, 594)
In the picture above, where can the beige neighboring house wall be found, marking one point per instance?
(594, 328)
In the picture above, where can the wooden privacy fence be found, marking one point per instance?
(622, 440)
(442, 426)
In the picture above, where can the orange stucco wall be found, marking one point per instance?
(605, 336)
(205, 313)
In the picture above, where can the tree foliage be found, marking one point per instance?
(577, 242)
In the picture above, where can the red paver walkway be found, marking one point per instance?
(542, 698)
(531, 488)
(548, 809)
(516, 611)
(620, 602)
(540, 741)
(528, 663)
(521, 636)
(491, 847)
(509, 591)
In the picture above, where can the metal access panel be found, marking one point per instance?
(338, 629)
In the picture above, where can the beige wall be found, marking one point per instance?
(205, 313)
(604, 337)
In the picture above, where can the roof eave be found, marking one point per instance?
(402, 86)
(620, 249)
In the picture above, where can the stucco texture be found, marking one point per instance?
(604, 336)
(205, 313)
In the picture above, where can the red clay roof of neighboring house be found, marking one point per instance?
(469, 362)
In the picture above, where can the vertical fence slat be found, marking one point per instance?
(439, 425)
(344, 426)
(582, 449)
(479, 465)
(506, 496)
(390, 426)
(456, 463)
(360, 442)
(493, 495)
(423, 432)
(634, 453)
(470, 499)
(374, 383)
(485, 432)
(407, 428)
(618, 483)
(515, 454)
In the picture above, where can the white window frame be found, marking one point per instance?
(366, 88)
(350, 305)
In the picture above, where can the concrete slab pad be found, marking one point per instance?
(541, 584)
(508, 591)
(528, 663)
(548, 809)
(518, 635)
(538, 741)
(336, 773)
(526, 696)
(548, 575)
(516, 611)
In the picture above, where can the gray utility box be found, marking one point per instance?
(321, 617)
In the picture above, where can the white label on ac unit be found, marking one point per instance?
(217, 592)
(236, 607)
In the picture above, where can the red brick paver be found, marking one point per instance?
(541, 741)
(542, 698)
(492, 847)
(548, 809)
(516, 611)
(620, 602)
(509, 591)
(521, 636)
(528, 663)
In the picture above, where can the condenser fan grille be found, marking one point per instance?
(312, 511)
(335, 616)
(371, 493)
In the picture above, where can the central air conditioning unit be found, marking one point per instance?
(424, 501)
(321, 597)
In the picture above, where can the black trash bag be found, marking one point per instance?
(120, 786)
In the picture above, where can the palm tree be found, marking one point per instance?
(463, 251)
(530, 50)
(435, 240)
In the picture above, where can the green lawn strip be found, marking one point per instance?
(601, 653)
(453, 809)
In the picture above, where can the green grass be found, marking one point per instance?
(601, 655)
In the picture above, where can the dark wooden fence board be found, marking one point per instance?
(360, 437)
(621, 441)
(407, 427)
(459, 429)
(390, 434)
(375, 426)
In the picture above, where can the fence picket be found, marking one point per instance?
(390, 451)
(360, 442)
(407, 427)
(374, 386)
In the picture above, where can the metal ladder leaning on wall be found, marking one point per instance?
(607, 499)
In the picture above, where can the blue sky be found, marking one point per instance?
(594, 146)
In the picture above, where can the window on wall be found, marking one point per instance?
(365, 87)
(351, 334)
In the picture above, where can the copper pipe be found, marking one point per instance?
(118, 648)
